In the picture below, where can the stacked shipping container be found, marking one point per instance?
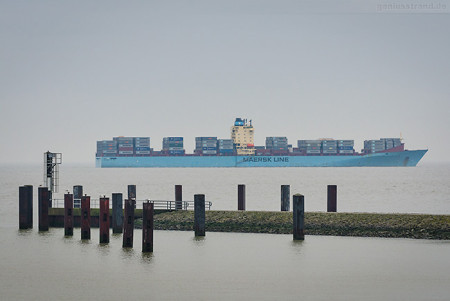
(374, 146)
(173, 146)
(310, 147)
(225, 147)
(346, 147)
(391, 142)
(106, 148)
(206, 145)
(277, 143)
(142, 146)
(329, 147)
(326, 147)
(125, 145)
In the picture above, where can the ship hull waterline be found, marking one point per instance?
(403, 158)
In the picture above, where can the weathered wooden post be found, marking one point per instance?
(241, 197)
(43, 208)
(85, 217)
(285, 197)
(26, 207)
(147, 227)
(332, 198)
(298, 205)
(117, 213)
(104, 220)
(178, 197)
(132, 192)
(77, 194)
(68, 214)
(128, 226)
(199, 214)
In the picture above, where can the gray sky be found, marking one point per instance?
(72, 73)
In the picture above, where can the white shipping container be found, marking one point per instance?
(346, 151)
(142, 152)
(126, 152)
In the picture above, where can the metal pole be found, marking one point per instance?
(332, 198)
(199, 214)
(241, 197)
(147, 227)
(68, 214)
(298, 205)
(43, 208)
(85, 217)
(117, 213)
(285, 197)
(128, 226)
(104, 220)
(50, 198)
(178, 197)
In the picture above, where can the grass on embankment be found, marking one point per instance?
(316, 223)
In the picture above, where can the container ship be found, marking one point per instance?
(240, 151)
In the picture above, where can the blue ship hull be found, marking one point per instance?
(403, 158)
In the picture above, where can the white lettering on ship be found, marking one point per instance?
(265, 159)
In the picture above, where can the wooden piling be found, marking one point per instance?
(26, 207)
(43, 208)
(178, 197)
(132, 192)
(298, 212)
(147, 227)
(68, 214)
(199, 214)
(241, 197)
(104, 220)
(85, 217)
(285, 197)
(332, 198)
(117, 213)
(128, 225)
(29, 189)
(77, 194)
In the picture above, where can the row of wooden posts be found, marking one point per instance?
(123, 220)
(285, 197)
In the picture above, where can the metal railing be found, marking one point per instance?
(158, 204)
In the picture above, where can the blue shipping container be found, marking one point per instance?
(345, 147)
(209, 148)
(139, 149)
(175, 138)
(226, 151)
(176, 152)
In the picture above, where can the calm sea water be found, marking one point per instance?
(230, 266)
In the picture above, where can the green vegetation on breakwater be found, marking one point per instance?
(421, 226)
